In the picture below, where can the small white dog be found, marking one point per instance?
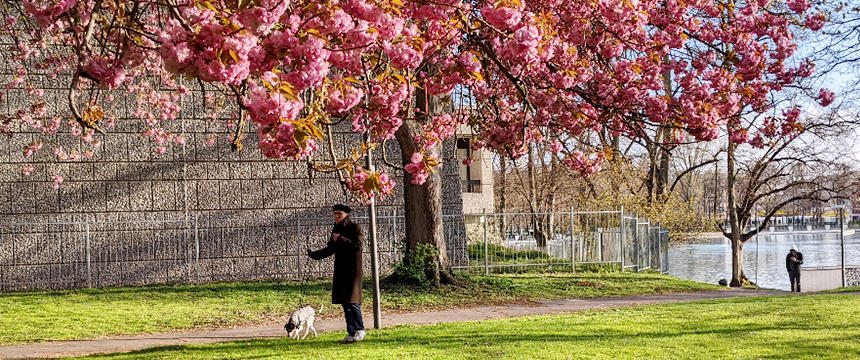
(302, 319)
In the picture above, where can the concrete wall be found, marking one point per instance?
(195, 213)
(827, 278)
(481, 197)
(476, 202)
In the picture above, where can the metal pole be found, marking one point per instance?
(756, 247)
(394, 233)
(89, 268)
(648, 263)
(842, 240)
(621, 234)
(600, 245)
(572, 244)
(299, 274)
(636, 243)
(374, 254)
(486, 246)
(666, 254)
(660, 247)
(197, 247)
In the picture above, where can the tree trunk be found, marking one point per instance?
(662, 156)
(503, 178)
(716, 189)
(663, 172)
(538, 221)
(424, 202)
(738, 276)
(737, 230)
(651, 182)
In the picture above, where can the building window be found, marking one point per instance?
(470, 177)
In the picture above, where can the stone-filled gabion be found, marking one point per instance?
(197, 213)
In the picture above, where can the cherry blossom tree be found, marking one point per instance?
(524, 72)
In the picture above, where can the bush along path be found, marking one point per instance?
(542, 307)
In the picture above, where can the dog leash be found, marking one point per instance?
(302, 275)
(302, 291)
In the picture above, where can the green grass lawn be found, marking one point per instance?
(774, 327)
(92, 313)
(503, 259)
(845, 289)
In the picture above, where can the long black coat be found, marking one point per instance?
(346, 280)
(791, 265)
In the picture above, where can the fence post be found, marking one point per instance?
(394, 233)
(650, 245)
(486, 247)
(196, 248)
(600, 235)
(621, 234)
(299, 247)
(572, 244)
(636, 243)
(186, 250)
(89, 267)
(660, 247)
(842, 242)
(666, 254)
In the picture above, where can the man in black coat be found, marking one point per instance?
(792, 263)
(345, 245)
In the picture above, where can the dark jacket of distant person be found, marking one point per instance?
(793, 266)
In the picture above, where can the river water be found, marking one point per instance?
(764, 264)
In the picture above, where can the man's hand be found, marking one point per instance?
(309, 252)
(335, 236)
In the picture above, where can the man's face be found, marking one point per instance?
(339, 216)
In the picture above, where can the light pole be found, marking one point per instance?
(842, 240)
(374, 254)
(758, 226)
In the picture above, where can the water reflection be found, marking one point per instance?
(764, 263)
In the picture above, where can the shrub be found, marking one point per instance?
(416, 265)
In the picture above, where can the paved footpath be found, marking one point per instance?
(60, 349)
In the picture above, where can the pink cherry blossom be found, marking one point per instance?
(503, 18)
(57, 179)
(47, 14)
(516, 73)
(825, 97)
(798, 6)
(815, 22)
(32, 148)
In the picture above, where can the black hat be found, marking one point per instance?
(341, 207)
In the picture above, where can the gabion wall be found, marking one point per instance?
(197, 213)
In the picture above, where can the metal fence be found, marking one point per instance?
(498, 242)
(89, 253)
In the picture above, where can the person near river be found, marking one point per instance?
(792, 263)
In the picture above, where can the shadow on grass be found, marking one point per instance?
(316, 286)
(432, 340)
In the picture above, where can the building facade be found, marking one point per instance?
(476, 178)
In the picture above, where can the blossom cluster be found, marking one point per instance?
(531, 70)
(366, 185)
